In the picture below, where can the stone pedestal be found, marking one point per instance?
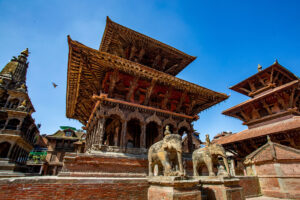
(219, 188)
(173, 188)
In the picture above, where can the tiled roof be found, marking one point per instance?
(285, 125)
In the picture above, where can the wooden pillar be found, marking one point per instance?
(7, 101)
(124, 131)
(15, 158)
(20, 124)
(190, 141)
(10, 150)
(143, 136)
(4, 127)
(161, 132)
(101, 129)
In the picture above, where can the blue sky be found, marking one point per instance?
(229, 39)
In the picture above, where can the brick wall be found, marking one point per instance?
(73, 188)
(250, 186)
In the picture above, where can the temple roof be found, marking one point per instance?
(278, 127)
(232, 110)
(272, 76)
(61, 134)
(272, 151)
(87, 68)
(131, 45)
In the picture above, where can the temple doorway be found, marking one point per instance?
(133, 133)
(4, 149)
(152, 132)
(183, 130)
(112, 134)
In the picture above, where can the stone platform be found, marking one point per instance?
(110, 161)
(219, 188)
(173, 188)
(104, 164)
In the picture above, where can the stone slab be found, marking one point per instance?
(173, 188)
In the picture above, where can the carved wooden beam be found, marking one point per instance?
(272, 74)
(141, 54)
(245, 90)
(252, 86)
(238, 116)
(171, 69)
(103, 97)
(156, 61)
(255, 111)
(261, 81)
(133, 86)
(190, 108)
(85, 94)
(132, 52)
(166, 98)
(82, 112)
(246, 117)
(113, 80)
(291, 101)
(266, 106)
(94, 77)
(296, 99)
(149, 91)
(87, 81)
(276, 77)
(182, 98)
(285, 74)
(164, 63)
(281, 101)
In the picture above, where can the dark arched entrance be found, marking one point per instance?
(4, 149)
(152, 132)
(112, 134)
(183, 130)
(133, 133)
(12, 124)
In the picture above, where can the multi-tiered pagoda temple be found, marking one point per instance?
(126, 92)
(273, 109)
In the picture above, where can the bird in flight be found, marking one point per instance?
(54, 85)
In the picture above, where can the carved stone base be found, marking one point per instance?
(104, 164)
(173, 188)
(219, 188)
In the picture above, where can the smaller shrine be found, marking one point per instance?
(276, 165)
(269, 148)
(273, 109)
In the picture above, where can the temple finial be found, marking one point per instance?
(276, 61)
(259, 67)
(25, 52)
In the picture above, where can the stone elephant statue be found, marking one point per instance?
(209, 156)
(167, 154)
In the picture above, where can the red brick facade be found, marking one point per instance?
(65, 188)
